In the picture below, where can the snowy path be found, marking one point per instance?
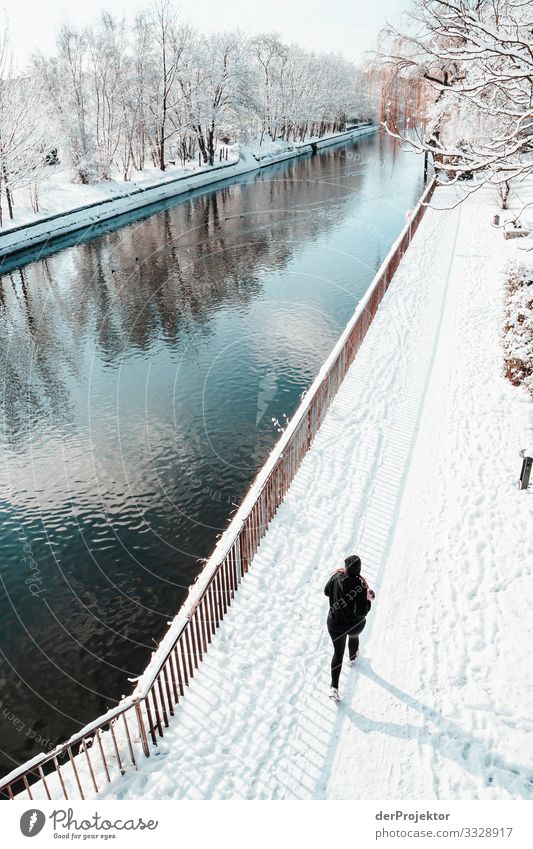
(414, 468)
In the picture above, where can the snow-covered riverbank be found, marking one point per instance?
(67, 207)
(415, 467)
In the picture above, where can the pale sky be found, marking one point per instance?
(345, 26)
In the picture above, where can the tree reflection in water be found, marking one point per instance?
(142, 371)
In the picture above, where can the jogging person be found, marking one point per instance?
(350, 599)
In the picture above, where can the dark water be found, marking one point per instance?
(141, 373)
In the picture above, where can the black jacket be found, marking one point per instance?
(348, 602)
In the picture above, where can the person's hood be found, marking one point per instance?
(352, 565)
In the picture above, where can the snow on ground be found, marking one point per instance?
(415, 468)
(265, 147)
(59, 191)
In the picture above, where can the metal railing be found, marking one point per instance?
(116, 741)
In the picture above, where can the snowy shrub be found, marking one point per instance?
(518, 328)
(85, 168)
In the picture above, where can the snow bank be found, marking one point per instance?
(269, 151)
(73, 207)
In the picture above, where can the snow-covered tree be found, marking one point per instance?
(476, 58)
(68, 90)
(22, 146)
(171, 42)
(270, 57)
(109, 76)
(118, 93)
(222, 89)
(300, 93)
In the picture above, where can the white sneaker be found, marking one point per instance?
(334, 694)
(352, 660)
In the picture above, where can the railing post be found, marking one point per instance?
(142, 729)
(89, 764)
(130, 746)
(77, 777)
(151, 725)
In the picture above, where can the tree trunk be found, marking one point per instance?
(201, 143)
(211, 145)
(9, 196)
(161, 151)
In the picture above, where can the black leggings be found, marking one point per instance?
(339, 645)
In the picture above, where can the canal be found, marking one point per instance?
(147, 372)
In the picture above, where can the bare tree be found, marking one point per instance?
(109, 67)
(271, 56)
(137, 94)
(171, 41)
(67, 85)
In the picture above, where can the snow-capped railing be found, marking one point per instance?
(115, 741)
